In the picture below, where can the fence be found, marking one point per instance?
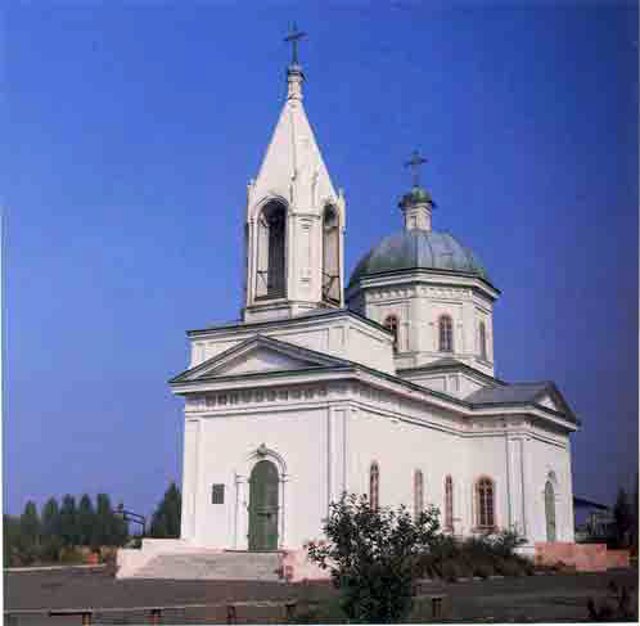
(437, 607)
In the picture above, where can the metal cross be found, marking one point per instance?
(414, 163)
(293, 38)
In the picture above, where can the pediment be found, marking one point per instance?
(549, 402)
(256, 356)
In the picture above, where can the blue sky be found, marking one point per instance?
(134, 127)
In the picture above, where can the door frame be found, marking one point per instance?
(260, 530)
(241, 513)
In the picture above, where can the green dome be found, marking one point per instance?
(415, 196)
(419, 249)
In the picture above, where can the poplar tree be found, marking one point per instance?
(165, 522)
(86, 520)
(68, 521)
(103, 521)
(29, 534)
(623, 518)
(51, 539)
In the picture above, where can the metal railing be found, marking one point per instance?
(229, 612)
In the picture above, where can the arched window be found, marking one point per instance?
(270, 262)
(391, 322)
(330, 256)
(550, 510)
(445, 326)
(485, 503)
(418, 492)
(482, 337)
(374, 485)
(448, 504)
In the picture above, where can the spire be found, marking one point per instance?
(295, 76)
(293, 166)
(417, 204)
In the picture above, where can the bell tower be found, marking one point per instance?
(295, 220)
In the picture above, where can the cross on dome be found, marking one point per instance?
(414, 163)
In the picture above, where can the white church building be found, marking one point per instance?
(381, 385)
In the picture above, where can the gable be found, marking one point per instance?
(259, 355)
(547, 401)
(260, 360)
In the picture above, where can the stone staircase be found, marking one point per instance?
(265, 566)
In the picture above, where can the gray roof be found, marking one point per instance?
(522, 393)
(516, 392)
(419, 249)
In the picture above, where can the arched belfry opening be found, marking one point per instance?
(330, 256)
(271, 249)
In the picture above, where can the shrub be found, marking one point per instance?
(318, 611)
(503, 542)
(508, 566)
(483, 568)
(374, 557)
(453, 569)
(71, 556)
(619, 606)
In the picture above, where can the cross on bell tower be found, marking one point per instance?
(295, 77)
(294, 38)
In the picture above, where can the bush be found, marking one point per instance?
(486, 556)
(453, 569)
(374, 557)
(617, 607)
(509, 566)
(483, 568)
(318, 611)
(71, 556)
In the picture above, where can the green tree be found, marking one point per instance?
(51, 523)
(86, 520)
(623, 517)
(10, 539)
(30, 525)
(372, 555)
(69, 521)
(27, 544)
(51, 518)
(166, 518)
(103, 521)
(636, 512)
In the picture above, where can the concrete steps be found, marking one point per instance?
(264, 566)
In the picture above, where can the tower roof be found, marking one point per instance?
(293, 167)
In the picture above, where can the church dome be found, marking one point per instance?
(419, 249)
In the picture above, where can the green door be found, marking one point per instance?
(263, 507)
(550, 511)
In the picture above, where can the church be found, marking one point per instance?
(383, 384)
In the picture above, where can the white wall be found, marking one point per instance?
(225, 454)
(546, 454)
(418, 302)
(401, 448)
(324, 438)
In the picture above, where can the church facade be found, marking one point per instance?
(383, 385)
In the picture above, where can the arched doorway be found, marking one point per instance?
(263, 506)
(550, 510)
